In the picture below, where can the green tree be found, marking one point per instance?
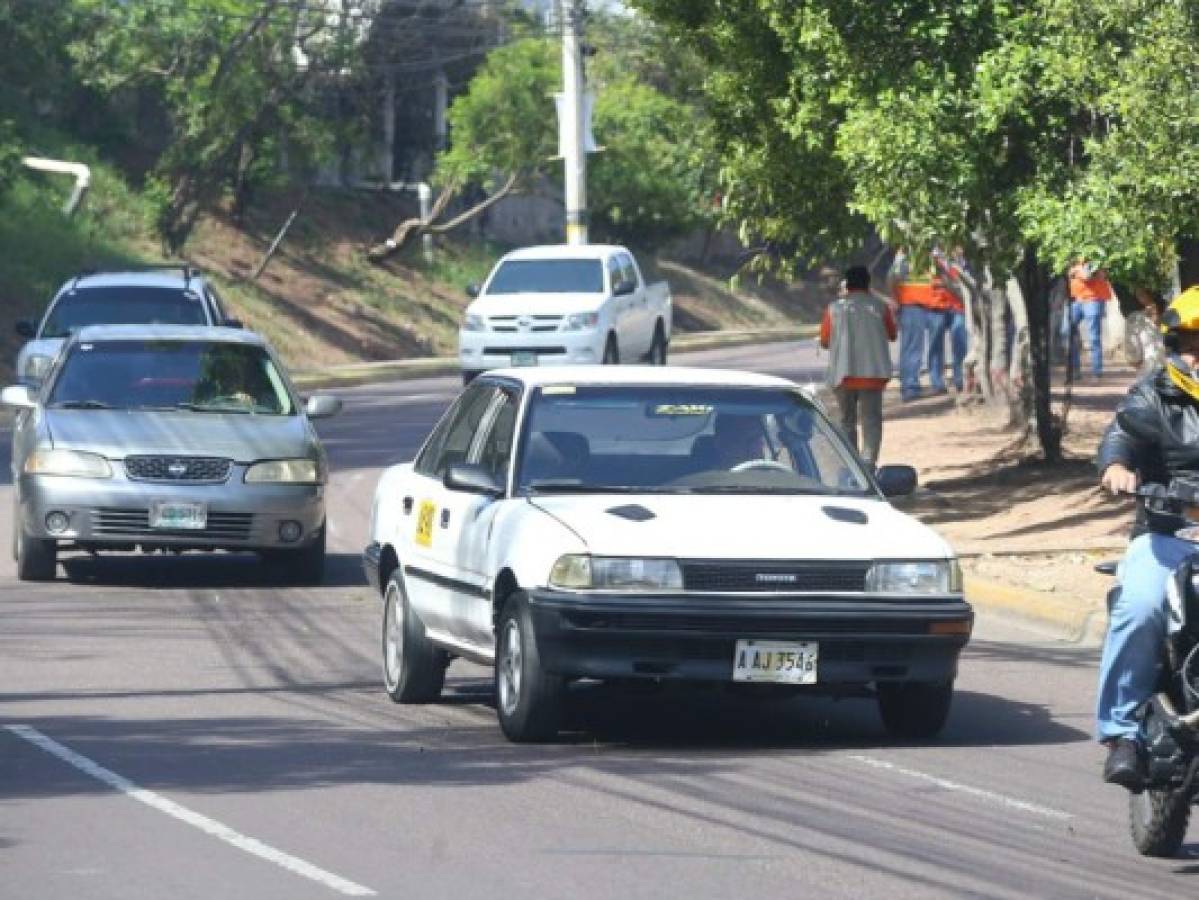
(651, 182)
(1041, 130)
(235, 76)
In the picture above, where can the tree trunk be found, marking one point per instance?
(1034, 281)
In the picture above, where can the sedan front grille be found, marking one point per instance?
(774, 576)
(192, 469)
(222, 526)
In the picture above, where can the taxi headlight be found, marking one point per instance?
(579, 572)
(581, 321)
(37, 366)
(285, 471)
(473, 322)
(942, 576)
(67, 462)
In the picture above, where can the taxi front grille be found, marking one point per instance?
(772, 576)
(224, 526)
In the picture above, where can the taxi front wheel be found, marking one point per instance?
(413, 669)
(528, 700)
(915, 710)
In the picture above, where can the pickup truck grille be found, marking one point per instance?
(774, 576)
(540, 351)
(530, 324)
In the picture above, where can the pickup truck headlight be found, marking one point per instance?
(73, 463)
(474, 322)
(942, 576)
(579, 572)
(36, 367)
(285, 471)
(581, 321)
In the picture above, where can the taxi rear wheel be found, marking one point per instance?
(528, 700)
(915, 710)
(413, 669)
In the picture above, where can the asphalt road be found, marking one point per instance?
(181, 727)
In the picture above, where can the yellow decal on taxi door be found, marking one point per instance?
(424, 523)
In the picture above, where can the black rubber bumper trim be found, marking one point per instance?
(372, 556)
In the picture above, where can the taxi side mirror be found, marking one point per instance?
(896, 481)
(473, 479)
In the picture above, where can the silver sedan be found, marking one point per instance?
(176, 438)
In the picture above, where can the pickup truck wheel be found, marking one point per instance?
(657, 349)
(915, 711)
(611, 352)
(528, 701)
(413, 669)
(37, 559)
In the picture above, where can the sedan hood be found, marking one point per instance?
(535, 304)
(744, 527)
(120, 433)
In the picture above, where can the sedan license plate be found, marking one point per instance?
(179, 516)
(524, 358)
(781, 662)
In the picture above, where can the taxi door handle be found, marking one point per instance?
(407, 506)
(445, 518)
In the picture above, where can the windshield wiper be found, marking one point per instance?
(80, 404)
(553, 486)
(197, 407)
(750, 489)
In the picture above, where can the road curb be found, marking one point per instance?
(433, 366)
(1075, 621)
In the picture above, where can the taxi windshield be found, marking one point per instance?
(690, 439)
(196, 376)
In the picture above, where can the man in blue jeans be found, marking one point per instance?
(1153, 438)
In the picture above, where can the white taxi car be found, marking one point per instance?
(658, 523)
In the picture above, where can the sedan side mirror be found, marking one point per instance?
(896, 481)
(25, 328)
(474, 479)
(233, 323)
(472, 290)
(322, 406)
(18, 396)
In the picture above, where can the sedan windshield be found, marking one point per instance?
(686, 439)
(201, 376)
(123, 306)
(548, 276)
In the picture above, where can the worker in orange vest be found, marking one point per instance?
(1090, 292)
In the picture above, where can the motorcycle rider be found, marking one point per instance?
(1153, 438)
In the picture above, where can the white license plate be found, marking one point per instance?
(179, 516)
(524, 358)
(782, 662)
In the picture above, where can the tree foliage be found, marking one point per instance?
(231, 80)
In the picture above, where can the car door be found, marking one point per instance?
(642, 315)
(433, 514)
(471, 518)
(622, 309)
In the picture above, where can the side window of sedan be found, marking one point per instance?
(452, 444)
(497, 446)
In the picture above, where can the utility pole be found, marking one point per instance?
(574, 153)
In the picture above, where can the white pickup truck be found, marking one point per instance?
(565, 305)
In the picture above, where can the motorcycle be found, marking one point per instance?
(1159, 814)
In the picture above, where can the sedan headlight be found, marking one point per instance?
(36, 367)
(473, 322)
(581, 321)
(73, 463)
(579, 572)
(285, 471)
(942, 576)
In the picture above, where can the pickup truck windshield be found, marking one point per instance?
(123, 306)
(685, 439)
(197, 376)
(548, 276)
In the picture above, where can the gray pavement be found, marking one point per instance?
(253, 752)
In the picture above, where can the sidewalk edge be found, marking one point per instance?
(1075, 622)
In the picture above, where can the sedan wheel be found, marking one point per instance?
(37, 559)
(413, 669)
(528, 700)
(915, 711)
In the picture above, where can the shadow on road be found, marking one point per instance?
(201, 570)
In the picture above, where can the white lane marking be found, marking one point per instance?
(183, 814)
(989, 796)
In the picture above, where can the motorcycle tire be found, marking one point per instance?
(1158, 821)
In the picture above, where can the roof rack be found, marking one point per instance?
(189, 271)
